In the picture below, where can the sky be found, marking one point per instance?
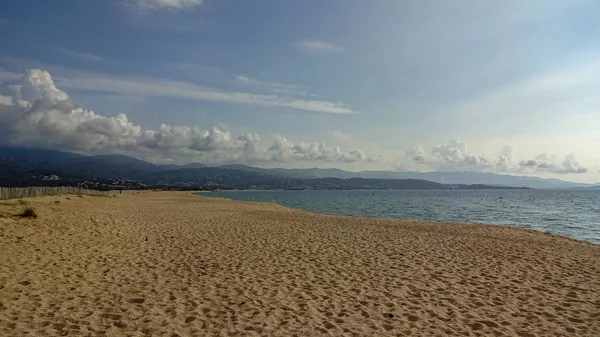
(509, 86)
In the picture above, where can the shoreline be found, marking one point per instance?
(165, 263)
(402, 220)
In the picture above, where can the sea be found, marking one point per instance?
(571, 213)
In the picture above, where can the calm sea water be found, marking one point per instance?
(570, 213)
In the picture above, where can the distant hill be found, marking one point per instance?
(118, 160)
(299, 173)
(469, 178)
(30, 154)
(175, 167)
(484, 178)
(25, 166)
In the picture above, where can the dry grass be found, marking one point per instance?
(28, 212)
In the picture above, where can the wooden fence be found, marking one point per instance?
(39, 191)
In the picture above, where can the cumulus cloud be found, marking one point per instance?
(34, 112)
(455, 155)
(452, 155)
(505, 159)
(283, 150)
(317, 47)
(152, 5)
(547, 163)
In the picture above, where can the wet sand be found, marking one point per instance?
(172, 264)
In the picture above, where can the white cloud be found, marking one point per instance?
(6, 100)
(273, 87)
(547, 163)
(244, 80)
(35, 112)
(282, 150)
(505, 159)
(264, 93)
(317, 47)
(152, 87)
(78, 55)
(9, 76)
(454, 155)
(152, 5)
(219, 75)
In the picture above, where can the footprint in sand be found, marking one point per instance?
(137, 300)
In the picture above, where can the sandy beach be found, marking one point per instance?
(173, 264)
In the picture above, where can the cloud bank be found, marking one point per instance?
(34, 112)
(547, 163)
(455, 155)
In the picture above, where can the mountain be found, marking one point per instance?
(482, 178)
(117, 160)
(101, 173)
(23, 166)
(32, 154)
(312, 173)
(27, 167)
(460, 177)
(186, 166)
(38, 155)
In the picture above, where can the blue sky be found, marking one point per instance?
(499, 86)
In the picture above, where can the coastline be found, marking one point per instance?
(178, 263)
(445, 222)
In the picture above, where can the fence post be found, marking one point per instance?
(39, 191)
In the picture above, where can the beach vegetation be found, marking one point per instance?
(28, 212)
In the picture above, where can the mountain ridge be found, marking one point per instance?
(451, 177)
(78, 166)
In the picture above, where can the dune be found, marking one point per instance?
(173, 264)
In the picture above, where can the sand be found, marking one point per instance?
(173, 264)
